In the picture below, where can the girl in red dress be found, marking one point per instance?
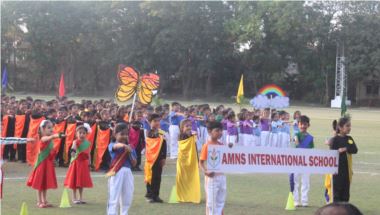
(43, 176)
(78, 175)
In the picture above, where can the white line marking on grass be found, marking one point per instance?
(368, 163)
(367, 173)
(370, 153)
(92, 176)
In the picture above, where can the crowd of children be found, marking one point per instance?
(105, 136)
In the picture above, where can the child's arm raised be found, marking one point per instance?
(51, 137)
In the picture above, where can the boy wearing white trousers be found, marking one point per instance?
(215, 183)
(265, 127)
(120, 182)
(302, 140)
(175, 119)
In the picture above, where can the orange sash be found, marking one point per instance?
(102, 141)
(91, 136)
(4, 128)
(58, 128)
(19, 127)
(32, 150)
(126, 117)
(70, 135)
(152, 150)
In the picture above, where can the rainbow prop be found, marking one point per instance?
(272, 90)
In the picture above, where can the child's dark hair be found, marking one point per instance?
(175, 104)
(230, 115)
(63, 108)
(153, 116)
(304, 120)
(120, 127)
(255, 118)
(340, 123)
(273, 115)
(51, 111)
(214, 125)
(241, 116)
(345, 207)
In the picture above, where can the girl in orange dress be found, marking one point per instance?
(43, 176)
(78, 175)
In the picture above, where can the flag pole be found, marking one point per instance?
(133, 106)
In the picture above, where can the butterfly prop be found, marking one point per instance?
(132, 84)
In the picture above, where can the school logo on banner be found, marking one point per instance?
(214, 158)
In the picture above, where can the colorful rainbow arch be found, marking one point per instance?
(272, 89)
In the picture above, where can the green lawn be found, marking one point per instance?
(246, 194)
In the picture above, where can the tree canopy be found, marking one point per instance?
(199, 49)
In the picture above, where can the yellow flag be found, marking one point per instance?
(240, 91)
(187, 178)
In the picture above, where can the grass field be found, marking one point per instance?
(246, 194)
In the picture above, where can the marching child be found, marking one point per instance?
(175, 118)
(302, 140)
(120, 182)
(224, 123)
(137, 137)
(155, 153)
(187, 177)
(215, 183)
(78, 174)
(232, 131)
(43, 176)
(256, 131)
(346, 147)
(247, 129)
(296, 117)
(275, 128)
(265, 127)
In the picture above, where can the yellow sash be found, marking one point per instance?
(187, 178)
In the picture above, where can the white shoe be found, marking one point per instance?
(296, 204)
(305, 205)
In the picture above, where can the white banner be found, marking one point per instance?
(243, 159)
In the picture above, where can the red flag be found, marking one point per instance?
(62, 86)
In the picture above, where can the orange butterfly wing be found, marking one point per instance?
(128, 78)
(149, 82)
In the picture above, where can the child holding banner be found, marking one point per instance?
(302, 140)
(346, 146)
(78, 174)
(43, 176)
(215, 183)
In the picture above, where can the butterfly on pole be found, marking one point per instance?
(132, 84)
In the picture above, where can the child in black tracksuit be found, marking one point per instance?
(155, 159)
(346, 147)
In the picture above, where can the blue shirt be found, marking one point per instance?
(286, 128)
(275, 128)
(164, 124)
(146, 124)
(175, 119)
(116, 152)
